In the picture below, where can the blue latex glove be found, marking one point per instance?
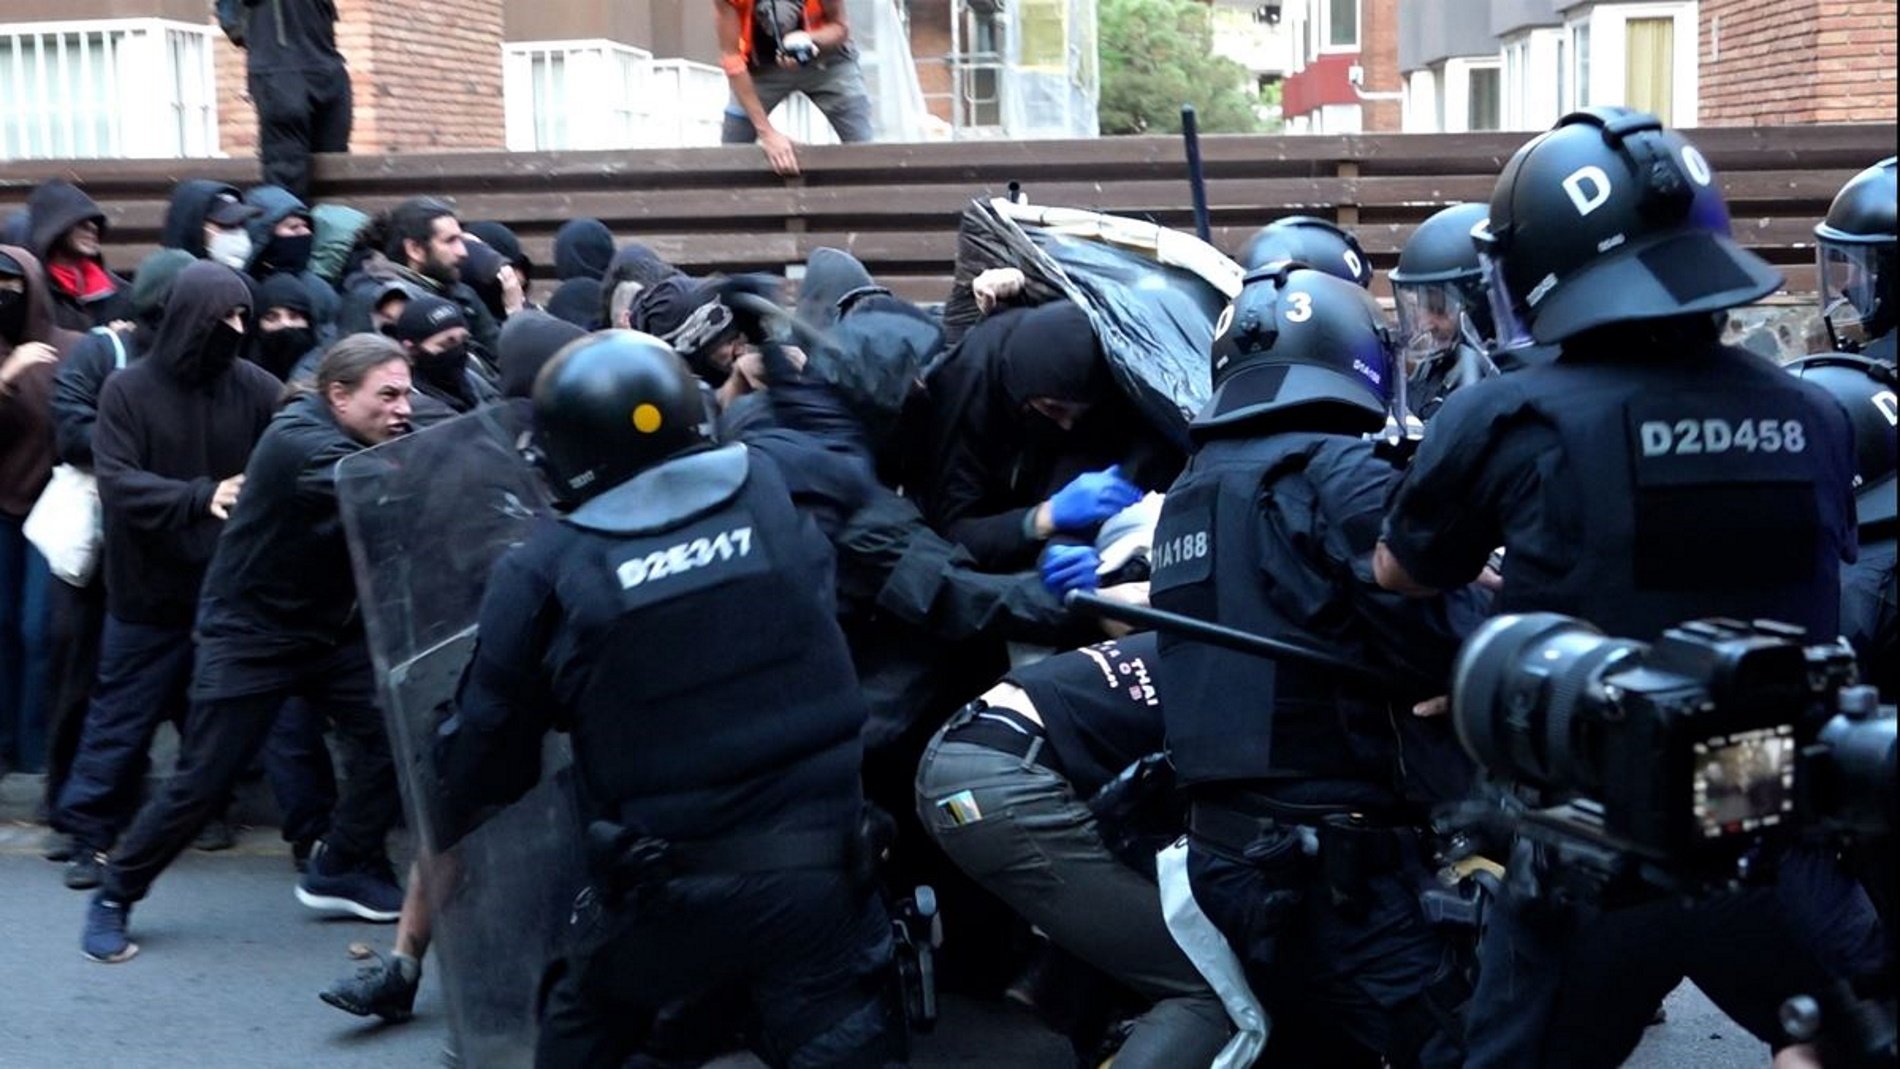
(1090, 498)
(1066, 568)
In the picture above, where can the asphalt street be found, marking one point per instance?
(230, 965)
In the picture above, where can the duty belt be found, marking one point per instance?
(1007, 731)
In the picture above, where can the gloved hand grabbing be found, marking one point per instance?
(1090, 498)
(1066, 568)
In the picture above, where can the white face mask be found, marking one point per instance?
(232, 248)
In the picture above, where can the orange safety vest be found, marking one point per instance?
(814, 18)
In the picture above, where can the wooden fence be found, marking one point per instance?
(896, 206)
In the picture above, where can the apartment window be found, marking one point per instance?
(1517, 57)
(110, 88)
(1483, 99)
(1565, 84)
(1342, 25)
(1580, 62)
(1649, 70)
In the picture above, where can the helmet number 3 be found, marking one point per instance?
(1302, 309)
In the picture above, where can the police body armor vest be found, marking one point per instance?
(1229, 715)
(1709, 486)
(716, 693)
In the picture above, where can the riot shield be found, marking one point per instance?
(427, 516)
(1152, 294)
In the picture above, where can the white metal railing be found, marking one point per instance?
(107, 88)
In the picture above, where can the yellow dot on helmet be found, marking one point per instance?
(646, 418)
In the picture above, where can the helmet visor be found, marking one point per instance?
(1433, 318)
(1511, 331)
(1851, 279)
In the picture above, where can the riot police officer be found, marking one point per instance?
(1313, 241)
(1866, 388)
(1856, 253)
(1445, 330)
(678, 621)
(1303, 845)
(1649, 475)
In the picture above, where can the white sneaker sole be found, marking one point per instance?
(330, 904)
(131, 951)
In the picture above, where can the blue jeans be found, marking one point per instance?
(25, 649)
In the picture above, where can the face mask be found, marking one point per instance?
(232, 248)
(12, 315)
(220, 349)
(450, 361)
(290, 255)
(279, 350)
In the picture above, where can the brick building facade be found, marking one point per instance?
(426, 78)
(1799, 61)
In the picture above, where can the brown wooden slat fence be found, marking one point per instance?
(896, 206)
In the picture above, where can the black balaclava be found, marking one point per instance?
(583, 248)
(578, 301)
(422, 319)
(277, 351)
(528, 341)
(1053, 353)
(194, 344)
(12, 304)
(482, 272)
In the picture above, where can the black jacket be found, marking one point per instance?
(281, 579)
(170, 428)
(56, 207)
(82, 376)
(377, 273)
(285, 35)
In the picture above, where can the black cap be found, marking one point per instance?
(425, 317)
(227, 210)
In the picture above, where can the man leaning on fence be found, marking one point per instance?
(771, 49)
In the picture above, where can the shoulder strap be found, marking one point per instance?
(118, 346)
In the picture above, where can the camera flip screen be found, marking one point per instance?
(1744, 781)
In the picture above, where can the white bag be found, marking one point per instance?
(66, 525)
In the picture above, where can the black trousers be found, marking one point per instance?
(79, 616)
(811, 952)
(299, 112)
(234, 705)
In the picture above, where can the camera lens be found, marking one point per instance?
(1522, 692)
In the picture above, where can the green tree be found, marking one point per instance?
(1158, 55)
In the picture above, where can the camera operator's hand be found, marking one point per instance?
(797, 49)
(1438, 706)
(1066, 568)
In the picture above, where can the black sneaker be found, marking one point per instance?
(59, 846)
(104, 939)
(300, 854)
(215, 836)
(83, 873)
(334, 883)
(378, 989)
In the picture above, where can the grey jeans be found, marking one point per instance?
(836, 87)
(1036, 848)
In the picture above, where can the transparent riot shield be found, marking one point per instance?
(427, 516)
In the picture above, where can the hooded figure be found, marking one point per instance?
(830, 274)
(273, 255)
(634, 268)
(281, 346)
(1023, 405)
(85, 292)
(434, 333)
(482, 272)
(528, 341)
(336, 230)
(578, 301)
(171, 428)
(83, 373)
(198, 201)
(26, 414)
(503, 240)
(583, 248)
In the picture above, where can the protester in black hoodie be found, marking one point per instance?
(528, 342)
(67, 227)
(173, 434)
(286, 344)
(280, 620)
(298, 81)
(583, 248)
(282, 238)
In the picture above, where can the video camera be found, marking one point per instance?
(1684, 756)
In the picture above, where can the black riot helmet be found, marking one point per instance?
(1866, 388)
(1610, 218)
(609, 406)
(1445, 332)
(1312, 241)
(1856, 253)
(1297, 337)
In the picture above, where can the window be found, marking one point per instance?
(1342, 25)
(1580, 62)
(1649, 77)
(1482, 99)
(1565, 103)
(113, 88)
(1517, 57)
(980, 93)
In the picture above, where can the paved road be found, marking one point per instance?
(230, 966)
